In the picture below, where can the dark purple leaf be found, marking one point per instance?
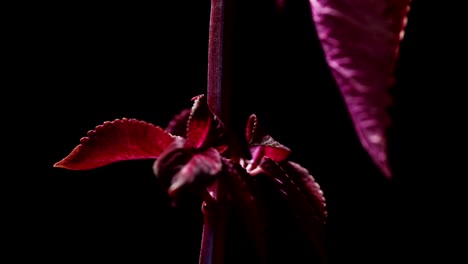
(303, 197)
(242, 190)
(308, 186)
(361, 42)
(119, 140)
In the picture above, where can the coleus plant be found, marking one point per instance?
(360, 40)
(195, 152)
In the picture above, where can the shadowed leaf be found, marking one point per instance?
(303, 197)
(119, 140)
(242, 190)
(309, 187)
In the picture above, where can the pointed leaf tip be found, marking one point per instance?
(198, 126)
(178, 125)
(361, 42)
(204, 128)
(119, 140)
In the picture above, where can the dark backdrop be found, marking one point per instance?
(82, 64)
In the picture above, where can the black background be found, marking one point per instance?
(76, 65)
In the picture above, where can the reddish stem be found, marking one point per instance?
(215, 214)
(218, 92)
(219, 88)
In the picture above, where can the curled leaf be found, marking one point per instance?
(171, 161)
(119, 140)
(178, 125)
(361, 40)
(183, 166)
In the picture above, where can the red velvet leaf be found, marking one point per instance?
(242, 190)
(361, 42)
(198, 171)
(261, 144)
(304, 198)
(119, 140)
(178, 125)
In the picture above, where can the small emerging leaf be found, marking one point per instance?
(119, 140)
(199, 122)
(205, 129)
(261, 144)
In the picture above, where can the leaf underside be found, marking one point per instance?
(118, 140)
(361, 41)
(178, 125)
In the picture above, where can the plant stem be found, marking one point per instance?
(219, 85)
(218, 92)
(215, 213)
